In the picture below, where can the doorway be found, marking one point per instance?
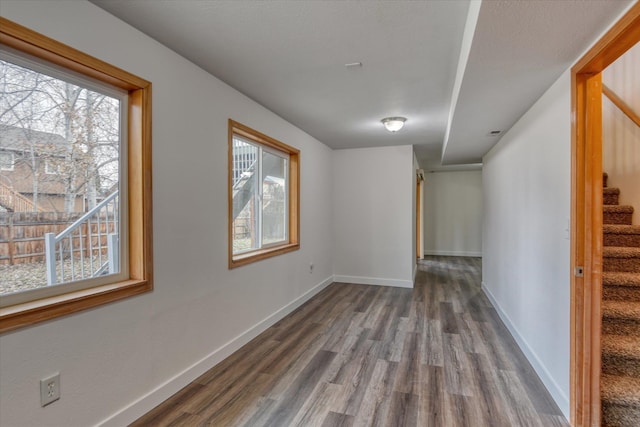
(586, 215)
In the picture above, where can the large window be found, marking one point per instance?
(80, 133)
(263, 196)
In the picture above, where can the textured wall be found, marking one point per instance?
(526, 264)
(373, 220)
(138, 351)
(453, 213)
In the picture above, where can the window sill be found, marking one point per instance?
(32, 312)
(248, 258)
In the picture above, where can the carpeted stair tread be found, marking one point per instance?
(621, 259)
(621, 229)
(624, 209)
(620, 390)
(621, 355)
(617, 214)
(621, 310)
(613, 278)
(610, 196)
(620, 252)
(622, 346)
(611, 190)
(621, 235)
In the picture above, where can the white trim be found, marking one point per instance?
(152, 399)
(398, 283)
(454, 253)
(48, 168)
(547, 379)
(13, 161)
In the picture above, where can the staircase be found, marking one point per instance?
(620, 381)
(12, 201)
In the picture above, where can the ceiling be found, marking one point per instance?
(290, 56)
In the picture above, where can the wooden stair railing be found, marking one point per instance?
(14, 201)
(622, 106)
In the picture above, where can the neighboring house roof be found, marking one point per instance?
(45, 146)
(17, 139)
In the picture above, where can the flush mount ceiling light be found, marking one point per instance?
(393, 124)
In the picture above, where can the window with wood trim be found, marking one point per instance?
(89, 124)
(263, 196)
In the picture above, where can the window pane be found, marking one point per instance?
(274, 191)
(245, 196)
(63, 140)
(6, 161)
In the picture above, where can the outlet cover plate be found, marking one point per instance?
(50, 389)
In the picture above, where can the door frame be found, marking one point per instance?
(586, 215)
(419, 181)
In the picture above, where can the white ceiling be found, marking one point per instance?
(290, 56)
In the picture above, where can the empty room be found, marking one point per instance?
(319, 213)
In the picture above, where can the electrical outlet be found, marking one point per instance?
(50, 389)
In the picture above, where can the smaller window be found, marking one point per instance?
(263, 196)
(7, 161)
(52, 167)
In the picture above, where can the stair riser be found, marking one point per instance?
(624, 265)
(610, 199)
(615, 326)
(616, 365)
(617, 218)
(620, 293)
(620, 416)
(628, 240)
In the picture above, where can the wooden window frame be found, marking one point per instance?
(140, 278)
(293, 195)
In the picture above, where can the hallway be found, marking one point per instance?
(357, 355)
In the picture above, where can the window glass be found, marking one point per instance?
(65, 135)
(274, 190)
(245, 196)
(264, 193)
(6, 161)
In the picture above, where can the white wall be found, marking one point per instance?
(620, 136)
(199, 311)
(526, 264)
(453, 213)
(372, 204)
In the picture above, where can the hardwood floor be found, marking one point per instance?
(357, 355)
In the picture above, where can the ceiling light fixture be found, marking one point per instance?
(393, 124)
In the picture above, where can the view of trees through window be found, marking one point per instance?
(60, 159)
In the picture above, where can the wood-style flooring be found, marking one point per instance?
(357, 355)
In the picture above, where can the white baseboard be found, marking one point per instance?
(556, 392)
(398, 283)
(173, 385)
(454, 253)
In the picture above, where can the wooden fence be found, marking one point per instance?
(22, 234)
